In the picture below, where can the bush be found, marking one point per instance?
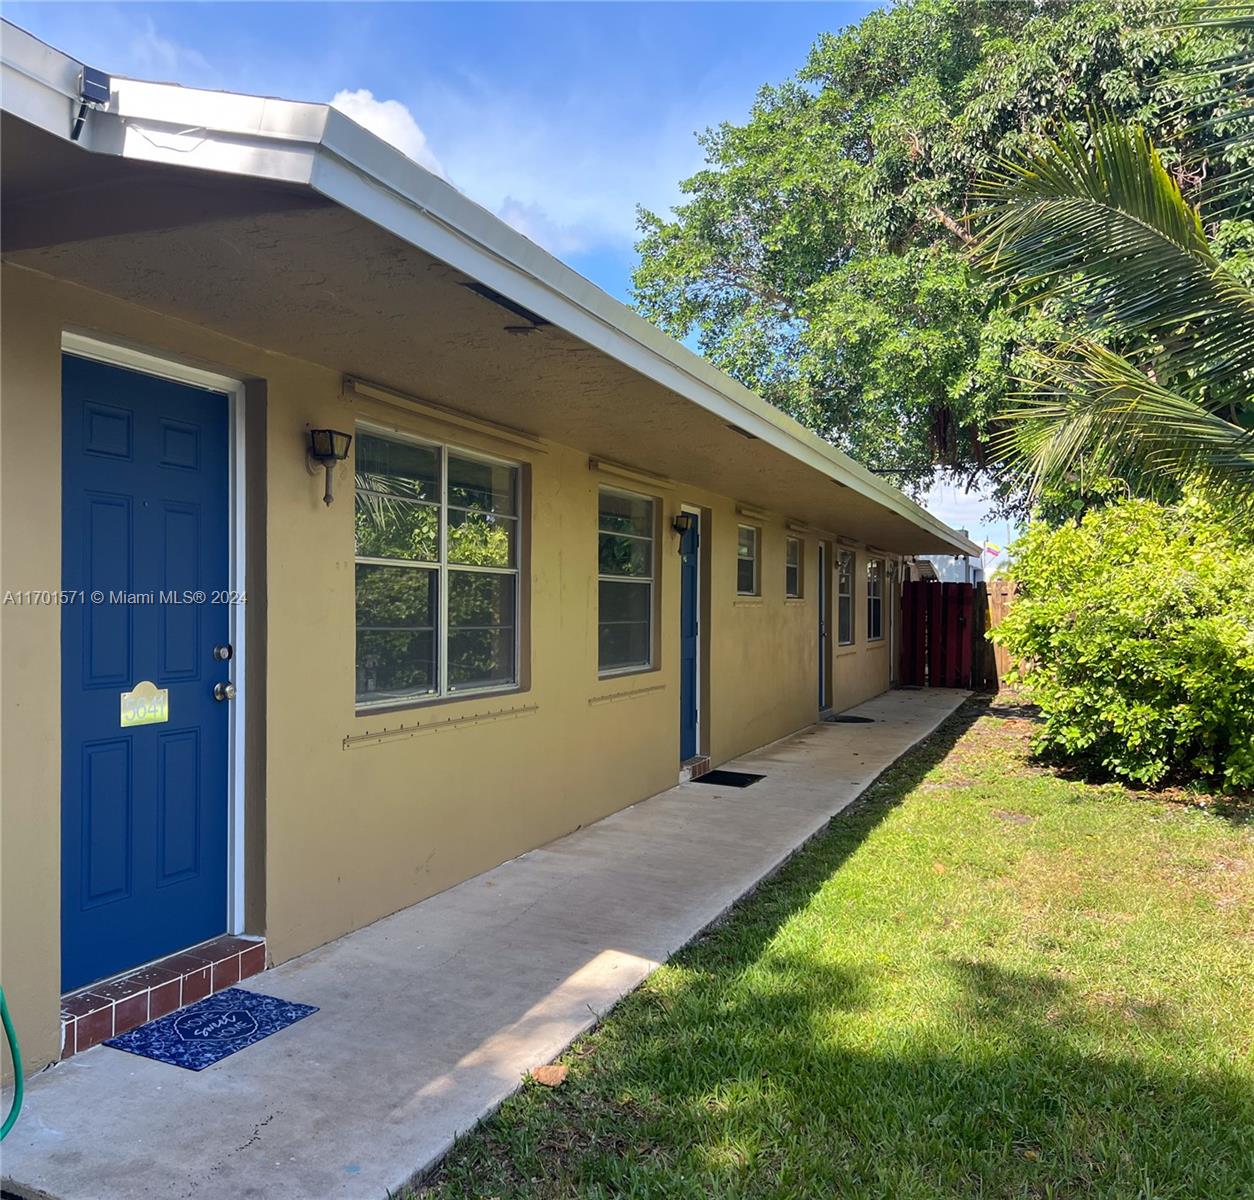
(1135, 631)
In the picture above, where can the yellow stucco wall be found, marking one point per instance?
(355, 831)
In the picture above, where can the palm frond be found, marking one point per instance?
(1107, 227)
(1104, 414)
(1221, 89)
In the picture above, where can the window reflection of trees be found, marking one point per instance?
(467, 529)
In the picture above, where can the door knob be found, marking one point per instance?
(224, 691)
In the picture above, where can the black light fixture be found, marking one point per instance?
(681, 522)
(328, 446)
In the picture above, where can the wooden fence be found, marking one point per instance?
(944, 634)
(1000, 594)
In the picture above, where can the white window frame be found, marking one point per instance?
(442, 567)
(789, 544)
(846, 594)
(650, 580)
(756, 560)
(875, 596)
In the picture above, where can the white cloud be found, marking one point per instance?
(156, 57)
(533, 222)
(567, 183)
(565, 160)
(393, 122)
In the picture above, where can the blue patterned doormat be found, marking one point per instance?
(198, 1036)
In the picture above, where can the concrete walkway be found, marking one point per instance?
(430, 1017)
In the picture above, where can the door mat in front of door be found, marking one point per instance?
(200, 1035)
(845, 719)
(737, 779)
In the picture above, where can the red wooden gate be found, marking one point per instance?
(941, 623)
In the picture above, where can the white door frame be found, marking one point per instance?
(824, 598)
(701, 532)
(118, 355)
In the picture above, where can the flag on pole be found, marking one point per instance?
(992, 549)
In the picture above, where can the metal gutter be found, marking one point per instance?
(318, 146)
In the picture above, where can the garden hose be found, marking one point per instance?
(16, 1054)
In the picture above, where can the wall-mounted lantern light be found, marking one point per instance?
(682, 522)
(328, 446)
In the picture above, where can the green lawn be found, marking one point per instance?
(983, 981)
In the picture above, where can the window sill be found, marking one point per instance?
(467, 697)
(872, 643)
(626, 673)
(746, 601)
(845, 651)
(794, 600)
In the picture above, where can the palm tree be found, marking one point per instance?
(1159, 388)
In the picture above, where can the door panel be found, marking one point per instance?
(689, 633)
(108, 626)
(145, 524)
(106, 817)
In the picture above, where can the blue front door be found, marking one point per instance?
(689, 621)
(145, 544)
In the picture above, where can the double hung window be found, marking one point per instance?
(792, 568)
(875, 599)
(748, 539)
(625, 567)
(437, 546)
(844, 598)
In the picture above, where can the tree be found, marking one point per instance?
(821, 257)
(1164, 400)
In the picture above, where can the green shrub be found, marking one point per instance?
(1135, 635)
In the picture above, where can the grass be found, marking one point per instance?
(983, 981)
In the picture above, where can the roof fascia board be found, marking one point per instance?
(37, 82)
(251, 155)
(219, 114)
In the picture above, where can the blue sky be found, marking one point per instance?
(559, 118)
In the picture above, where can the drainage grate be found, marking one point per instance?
(736, 779)
(841, 719)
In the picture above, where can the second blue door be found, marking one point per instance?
(145, 545)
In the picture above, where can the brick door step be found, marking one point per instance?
(104, 1010)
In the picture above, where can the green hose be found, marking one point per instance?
(19, 1086)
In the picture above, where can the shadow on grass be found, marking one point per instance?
(1237, 806)
(791, 888)
(1005, 707)
(1031, 1106)
(753, 1070)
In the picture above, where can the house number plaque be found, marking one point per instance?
(146, 704)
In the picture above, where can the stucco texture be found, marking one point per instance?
(354, 830)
